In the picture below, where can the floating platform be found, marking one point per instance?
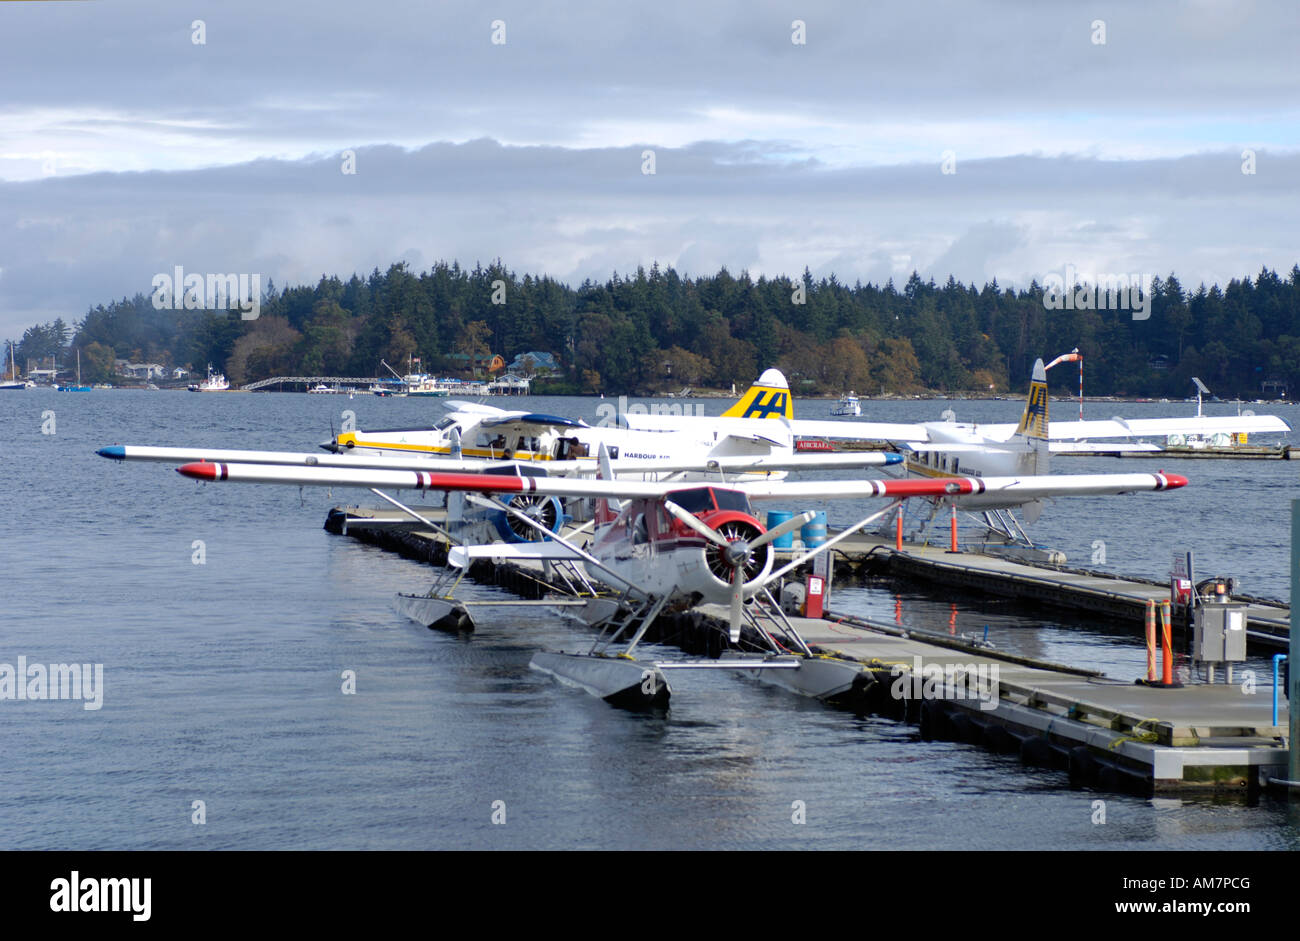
(1243, 452)
(1106, 732)
(1125, 597)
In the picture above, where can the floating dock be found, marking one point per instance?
(1104, 732)
(1241, 452)
(1124, 597)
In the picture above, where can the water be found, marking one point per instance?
(223, 680)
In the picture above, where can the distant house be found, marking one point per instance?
(180, 373)
(535, 363)
(509, 384)
(480, 364)
(144, 370)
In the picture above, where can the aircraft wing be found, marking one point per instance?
(354, 460)
(805, 428)
(119, 452)
(1192, 425)
(534, 419)
(995, 488)
(1079, 447)
(1019, 488)
(903, 432)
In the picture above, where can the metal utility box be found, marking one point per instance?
(1219, 633)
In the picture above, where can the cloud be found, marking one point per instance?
(128, 149)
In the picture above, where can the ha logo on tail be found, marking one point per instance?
(769, 397)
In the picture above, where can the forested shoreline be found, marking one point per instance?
(654, 329)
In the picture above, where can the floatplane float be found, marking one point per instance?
(661, 543)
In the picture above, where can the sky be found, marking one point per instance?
(1005, 140)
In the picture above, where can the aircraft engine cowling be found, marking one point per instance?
(735, 527)
(546, 510)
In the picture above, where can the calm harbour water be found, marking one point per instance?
(223, 680)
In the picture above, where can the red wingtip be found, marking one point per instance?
(199, 471)
(1176, 481)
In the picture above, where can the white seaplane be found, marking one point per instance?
(483, 432)
(668, 543)
(946, 450)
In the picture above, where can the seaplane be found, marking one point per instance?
(950, 449)
(472, 431)
(673, 543)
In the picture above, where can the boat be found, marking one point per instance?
(78, 387)
(321, 389)
(426, 386)
(847, 406)
(14, 382)
(216, 382)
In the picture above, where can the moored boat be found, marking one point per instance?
(848, 405)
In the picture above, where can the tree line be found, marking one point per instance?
(655, 329)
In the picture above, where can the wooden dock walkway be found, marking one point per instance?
(1269, 622)
(1101, 730)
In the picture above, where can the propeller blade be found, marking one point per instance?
(455, 442)
(776, 532)
(737, 601)
(689, 519)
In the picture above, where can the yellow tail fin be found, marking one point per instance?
(1033, 424)
(769, 397)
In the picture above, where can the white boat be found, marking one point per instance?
(847, 406)
(321, 389)
(14, 382)
(216, 382)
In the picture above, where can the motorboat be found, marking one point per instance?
(216, 382)
(848, 405)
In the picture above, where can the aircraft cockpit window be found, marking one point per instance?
(731, 500)
(693, 501)
(640, 532)
(445, 424)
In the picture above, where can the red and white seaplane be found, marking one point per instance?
(665, 543)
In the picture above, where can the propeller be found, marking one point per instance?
(539, 508)
(455, 442)
(736, 551)
(692, 521)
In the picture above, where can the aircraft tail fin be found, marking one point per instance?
(1033, 427)
(606, 509)
(769, 397)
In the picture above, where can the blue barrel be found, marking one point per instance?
(774, 519)
(814, 534)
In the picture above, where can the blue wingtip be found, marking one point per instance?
(892, 458)
(117, 452)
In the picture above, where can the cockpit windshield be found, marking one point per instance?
(705, 499)
(445, 424)
(731, 500)
(695, 501)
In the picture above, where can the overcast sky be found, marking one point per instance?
(127, 149)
